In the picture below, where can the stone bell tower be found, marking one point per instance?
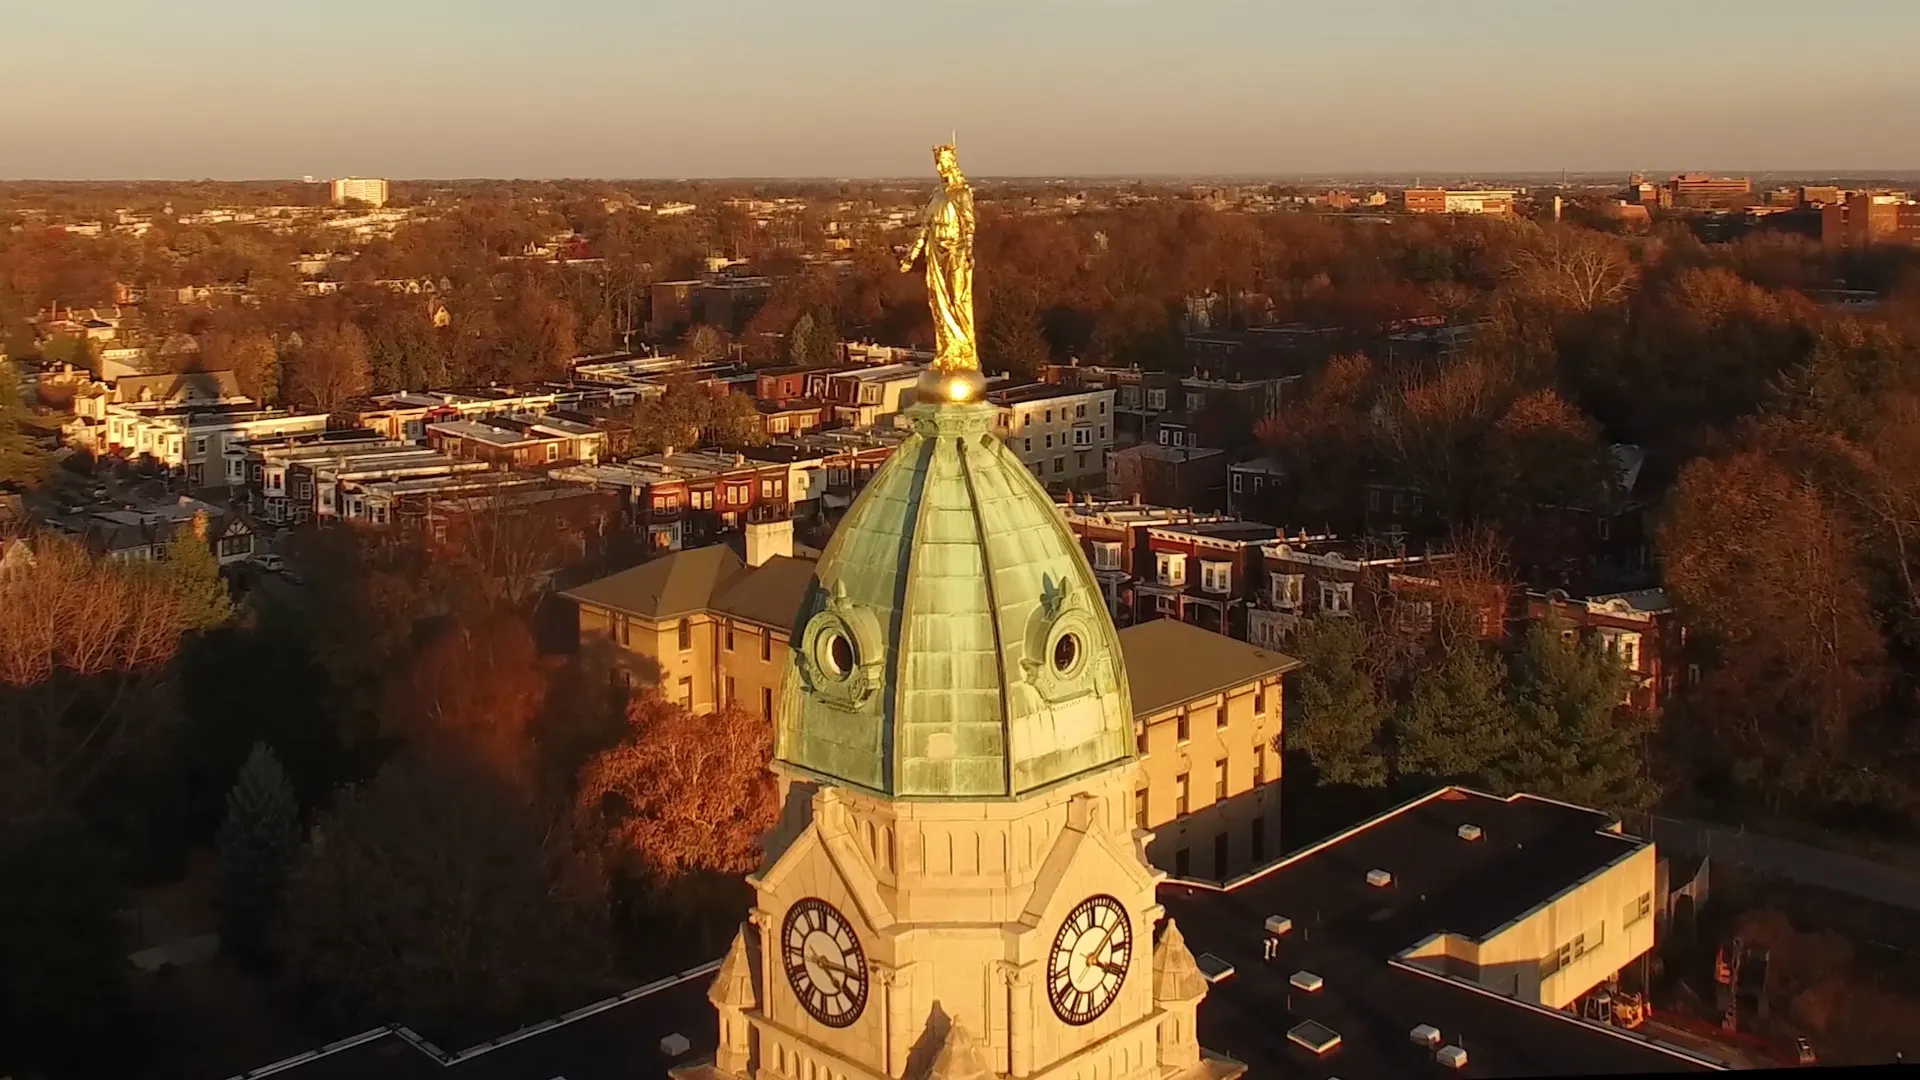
(956, 888)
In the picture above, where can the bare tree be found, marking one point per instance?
(1573, 268)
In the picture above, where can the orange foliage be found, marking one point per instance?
(683, 793)
(480, 683)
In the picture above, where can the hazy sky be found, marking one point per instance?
(669, 88)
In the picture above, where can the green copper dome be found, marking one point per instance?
(953, 642)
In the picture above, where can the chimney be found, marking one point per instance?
(766, 539)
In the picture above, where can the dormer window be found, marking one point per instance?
(1171, 568)
(1106, 555)
(1216, 577)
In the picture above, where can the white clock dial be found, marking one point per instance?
(1090, 958)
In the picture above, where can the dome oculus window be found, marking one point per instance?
(1066, 653)
(837, 654)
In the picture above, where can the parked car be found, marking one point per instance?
(271, 563)
(1805, 1051)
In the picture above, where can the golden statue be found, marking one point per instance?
(946, 238)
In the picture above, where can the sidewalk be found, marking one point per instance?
(1790, 860)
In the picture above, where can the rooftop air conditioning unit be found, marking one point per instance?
(1379, 879)
(1306, 980)
(1426, 1035)
(1468, 832)
(1453, 1057)
(1279, 925)
(674, 1045)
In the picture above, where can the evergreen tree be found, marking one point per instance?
(1457, 725)
(194, 574)
(1339, 719)
(256, 844)
(21, 461)
(811, 344)
(1573, 740)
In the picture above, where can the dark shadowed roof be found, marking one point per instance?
(770, 594)
(1170, 662)
(678, 584)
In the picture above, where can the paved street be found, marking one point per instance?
(1790, 860)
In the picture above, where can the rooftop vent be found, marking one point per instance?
(1379, 879)
(1306, 980)
(1453, 1057)
(1279, 925)
(1212, 968)
(1468, 832)
(674, 1045)
(1425, 1035)
(1315, 1036)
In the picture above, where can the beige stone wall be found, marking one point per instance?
(1514, 960)
(956, 906)
(1246, 744)
(707, 665)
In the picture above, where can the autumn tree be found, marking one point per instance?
(252, 357)
(1573, 269)
(689, 414)
(21, 461)
(485, 917)
(683, 793)
(1763, 565)
(1337, 719)
(255, 843)
(85, 648)
(1544, 450)
(330, 368)
(703, 345)
(479, 684)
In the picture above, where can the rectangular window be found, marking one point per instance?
(1103, 408)
(1220, 780)
(1636, 910)
(625, 626)
(1026, 443)
(1336, 598)
(199, 444)
(1259, 764)
(1082, 436)
(1103, 433)
(1140, 808)
(766, 645)
(686, 635)
(686, 692)
(1287, 590)
(1180, 795)
(1171, 568)
(1220, 719)
(1216, 577)
(1140, 741)
(729, 645)
(1106, 555)
(729, 699)
(766, 703)
(1183, 729)
(1049, 443)
(1260, 702)
(1157, 399)
(1060, 464)
(1049, 416)
(1079, 412)
(1236, 481)
(553, 451)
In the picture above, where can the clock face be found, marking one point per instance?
(1089, 959)
(824, 962)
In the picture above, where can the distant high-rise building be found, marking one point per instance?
(361, 190)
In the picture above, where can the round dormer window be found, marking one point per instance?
(1066, 653)
(837, 655)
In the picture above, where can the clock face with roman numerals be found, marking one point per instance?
(1089, 959)
(824, 962)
